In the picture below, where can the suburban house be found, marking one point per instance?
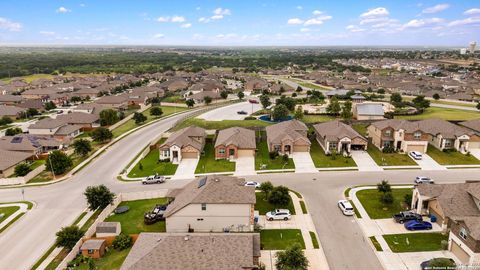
(29, 143)
(200, 96)
(94, 248)
(86, 120)
(12, 112)
(117, 102)
(10, 99)
(235, 142)
(212, 204)
(10, 159)
(445, 135)
(335, 136)
(185, 143)
(288, 137)
(368, 111)
(199, 251)
(54, 127)
(464, 239)
(401, 135)
(93, 108)
(474, 125)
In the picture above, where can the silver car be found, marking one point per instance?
(153, 179)
(423, 180)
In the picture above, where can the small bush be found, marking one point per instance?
(22, 169)
(140, 166)
(122, 241)
(285, 158)
(387, 198)
(250, 118)
(388, 150)
(273, 154)
(408, 200)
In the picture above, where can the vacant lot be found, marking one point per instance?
(220, 124)
(443, 113)
(370, 199)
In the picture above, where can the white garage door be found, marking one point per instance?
(245, 153)
(418, 148)
(474, 145)
(460, 253)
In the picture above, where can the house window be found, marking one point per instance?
(91, 251)
(448, 143)
(221, 151)
(166, 153)
(277, 148)
(463, 233)
(417, 135)
(388, 133)
(332, 146)
(204, 206)
(387, 144)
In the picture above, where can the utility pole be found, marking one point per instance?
(51, 167)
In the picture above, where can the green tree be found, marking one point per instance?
(478, 106)
(139, 118)
(240, 95)
(333, 107)
(13, 131)
(421, 102)
(436, 96)
(75, 99)
(190, 102)
(292, 258)
(280, 112)
(108, 117)
(288, 102)
(102, 134)
(156, 111)
(22, 169)
(82, 147)
(31, 112)
(299, 113)
(122, 241)
(347, 110)
(387, 198)
(67, 237)
(299, 89)
(266, 188)
(397, 100)
(5, 120)
(98, 197)
(279, 196)
(384, 186)
(49, 106)
(207, 100)
(265, 101)
(224, 94)
(59, 162)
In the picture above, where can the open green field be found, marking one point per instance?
(389, 159)
(370, 200)
(316, 118)
(151, 165)
(220, 124)
(415, 242)
(112, 260)
(280, 239)
(263, 206)
(262, 157)
(208, 164)
(451, 158)
(132, 221)
(323, 161)
(442, 113)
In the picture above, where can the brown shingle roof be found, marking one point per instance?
(241, 137)
(276, 133)
(447, 129)
(472, 124)
(11, 158)
(336, 130)
(183, 137)
(78, 118)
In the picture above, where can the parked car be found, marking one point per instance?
(252, 184)
(254, 101)
(406, 216)
(415, 155)
(155, 215)
(416, 225)
(278, 214)
(346, 207)
(423, 180)
(241, 112)
(439, 263)
(153, 179)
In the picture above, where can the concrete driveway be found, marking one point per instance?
(245, 166)
(186, 168)
(230, 112)
(303, 162)
(364, 161)
(428, 163)
(475, 153)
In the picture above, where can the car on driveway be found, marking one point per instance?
(415, 225)
(439, 263)
(279, 214)
(252, 184)
(406, 216)
(153, 179)
(241, 112)
(415, 155)
(346, 207)
(423, 180)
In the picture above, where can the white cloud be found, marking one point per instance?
(317, 12)
(472, 11)
(304, 30)
(82, 5)
(376, 12)
(203, 20)
(317, 21)
(299, 7)
(186, 25)
(158, 36)
(174, 19)
(63, 10)
(163, 19)
(436, 8)
(9, 25)
(47, 33)
(295, 21)
(353, 28)
(416, 23)
(177, 19)
(467, 21)
(219, 13)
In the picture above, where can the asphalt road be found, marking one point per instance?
(230, 112)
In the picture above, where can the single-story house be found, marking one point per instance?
(94, 248)
(235, 142)
(31, 144)
(401, 135)
(117, 102)
(107, 229)
(85, 120)
(200, 96)
(54, 127)
(10, 99)
(288, 137)
(212, 204)
(12, 112)
(10, 159)
(368, 111)
(474, 142)
(445, 135)
(185, 143)
(335, 136)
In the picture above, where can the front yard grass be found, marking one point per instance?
(375, 243)
(208, 164)
(370, 200)
(389, 159)
(112, 260)
(321, 160)
(442, 113)
(263, 158)
(314, 240)
(8, 211)
(263, 206)
(132, 221)
(451, 158)
(280, 239)
(415, 242)
(152, 165)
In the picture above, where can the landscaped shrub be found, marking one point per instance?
(408, 200)
(122, 241)
(273, 154)
(250, 118)
(387, 198)
(388, 149)
(285, 158)
(444, 244)
(22, 169)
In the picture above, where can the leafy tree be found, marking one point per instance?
(334, 107)
(294, 94)
(396, 100)
(381, 91)
(347, 110)
(82, 147)
(387, 198)
(421, 102)
(299, 89)
(156, 111)
(266, 188)
(436, 96)
(67, 237)
(31, 112)
(288, 102)
(240, 95)
(13, 131)
(384, 186)
(108, 117)
(98, 197)
(309, 93)
(122, 241)
(478, 106)
(224, 94)
(102, 134)
(59, 162)
(139, 118)
(75, 99)
(279, 112)
(292, 258)
(50, 106)
(22, 169)
(5, 120)
(265, 101)
(279, 196)
(317, 95)
(407, 199)
(299, 113)
(190, 102)
(207, 100)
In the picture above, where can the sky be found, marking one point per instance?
(240, 22)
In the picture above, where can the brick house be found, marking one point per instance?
(235, 142)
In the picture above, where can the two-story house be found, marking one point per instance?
(185, 143)
(401, 135)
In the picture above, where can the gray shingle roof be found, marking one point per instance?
(11, 158)
(92, 244)
(183, 137)
(276, 133)
(336, 130)
(241, 137)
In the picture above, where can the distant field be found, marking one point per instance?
(31, 78)
(443, 113)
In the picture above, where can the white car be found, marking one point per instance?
(252, 184)
(416, 155)
(279, 214)
(346, 207)
(423, 180)
(153, 179)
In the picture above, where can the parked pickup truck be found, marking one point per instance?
(406, 216)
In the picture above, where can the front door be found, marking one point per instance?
(287, 149)
(231, 153)
(399, 145)
(174, 155)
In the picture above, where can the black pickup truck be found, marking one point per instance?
(406, 216)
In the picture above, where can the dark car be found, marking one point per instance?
(415, 225)
(254, 101)
(439, 263)
(155, 215)
(406, 216)
(242, 112)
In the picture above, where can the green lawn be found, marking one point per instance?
(280, 239)
(174, 99)
(451, 158)
(151, 165)
(208, 164)
(370, 199)
(262, 157)
(416, 242)
(360, 128)
(220, 124)
(8, 211)
(316, 118)
(263, 206)
(314, 240)
(375, 243)
(323, 161)
(442, 113)
(391, 159)
(112, 260)
(132, 221)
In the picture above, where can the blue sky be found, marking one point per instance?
(246, 22)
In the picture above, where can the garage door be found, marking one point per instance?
(245, 153)
(460, 253)
(418, 148)
(301, 148)
(474, 145)
(189, 154)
